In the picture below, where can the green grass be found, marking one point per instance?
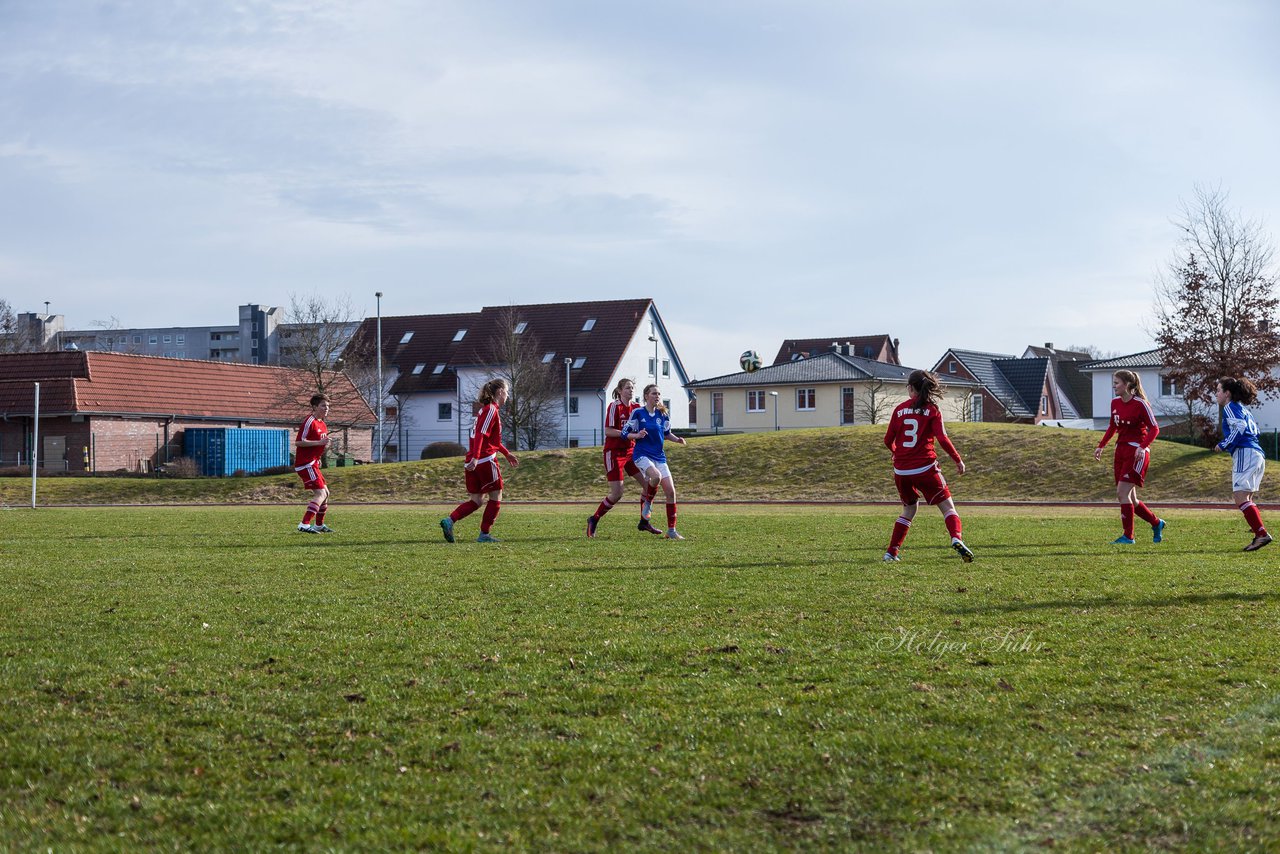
(1006, 463)
(205, 678)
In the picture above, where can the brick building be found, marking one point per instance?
(112, 411)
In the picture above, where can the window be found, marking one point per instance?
(439, 369)
(589, 325)
(419, 368)
(666, 402)
(390, 412)
(977, 407)
(1170, 387)
(182, 354)
(404, 339)
(717, 409)
(951, 367)
(547, 357)
(521, 327)
(459, 335)
(573, 406)
(1044, 404)
(573, 443)
(848, 405)
(137, 339)
(579, 362)
(806, 398)
(153, 339)
(254, 345)
(181, 339)
(651, 368)
(666, 368)
(755, 401)
(168, 339)
(444, 411)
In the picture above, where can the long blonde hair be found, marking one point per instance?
(659, 408)
(1133, 381)
(490, 390)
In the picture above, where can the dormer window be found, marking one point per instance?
(439, 369)
(408, 335)
(419, 368)
(579, 362)
(547, 357)
(459, 335)
(589, 325)
(520, 327)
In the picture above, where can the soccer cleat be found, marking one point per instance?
(446, 525)
(646, 509)
(1157, 531)
(673, 534)
(486, 538)
(592, 521)
(964, 551)
(1258, 542)
(888, 558)
(307, 529)
(646, 527)
(1122, 540)
(323, 529)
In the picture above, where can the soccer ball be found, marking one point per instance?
(750, 361)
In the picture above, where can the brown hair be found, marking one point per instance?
(617, 390)
(926, 387)
(490, 390)
(1132, 380)
(317, 399)
(659, 407)
(1241, 390)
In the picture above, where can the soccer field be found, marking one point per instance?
(207, 678)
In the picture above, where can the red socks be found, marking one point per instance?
(605, 507)
(464, 510)
(899, 535)
(490, 513)
(952, 521)
(1254, 518)
(1142, 512)
(671, 515)
(312, 510)
(1126, 519)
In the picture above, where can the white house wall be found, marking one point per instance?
(1171, 409)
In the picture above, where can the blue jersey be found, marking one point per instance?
(1240, 428)
(649, 445)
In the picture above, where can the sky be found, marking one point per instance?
(982, 174)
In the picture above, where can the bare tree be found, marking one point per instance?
(875, 402)
(962, 405)
(22, 333)
(533, 408)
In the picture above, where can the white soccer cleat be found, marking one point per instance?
(673, 534)
(323, 529)
(307, 529)
(964, 551)
(888, 558)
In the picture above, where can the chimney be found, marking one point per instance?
(1048, 345)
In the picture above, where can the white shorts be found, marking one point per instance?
(644, 464)
(1247, 468)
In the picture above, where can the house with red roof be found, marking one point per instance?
(435, 364)
(110, 411)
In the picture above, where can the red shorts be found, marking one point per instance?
(1124, 468)
(311, 476)
(929, 485)
(485, 477)
(618, 464)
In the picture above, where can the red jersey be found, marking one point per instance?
(910, 436)
(311, 430)
(1134, 421)
(616, 416)
(486, 435)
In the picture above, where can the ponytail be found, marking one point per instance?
(1133, 381)
(926, 388)
(490, 390)
(1241, 390)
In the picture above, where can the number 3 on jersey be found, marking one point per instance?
(911, 431)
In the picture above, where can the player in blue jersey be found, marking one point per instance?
(650, 426)
(1248, 462)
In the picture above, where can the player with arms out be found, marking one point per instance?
(1134, 425)
(915, 424)
(650, 426)
(617, 453)
(1248, 461)
(313, 438)
(483, 475)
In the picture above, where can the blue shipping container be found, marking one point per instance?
(222, 451)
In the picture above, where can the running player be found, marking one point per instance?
(1248, 461)
(483, 475)
(915, 424)
(1135, 424)
(617, 454)
(313, 438)
(650, 426)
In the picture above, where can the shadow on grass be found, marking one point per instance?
(1163, 602)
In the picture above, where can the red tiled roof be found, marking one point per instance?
(123, 383)
(881, 347)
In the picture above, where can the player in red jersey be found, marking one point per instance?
(313, 438)
(617, 453)
(484, 477)
(1135, 424)
(915, 424)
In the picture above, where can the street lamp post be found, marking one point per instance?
(654, 339)
(378, 454)
(774, 395)
(567, 362)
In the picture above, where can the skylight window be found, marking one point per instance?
(418, 368)
(459, 335)
(548, 357)
(589, 325)
(521, 327)
(579, 362)
(407, 336)
(439, 369)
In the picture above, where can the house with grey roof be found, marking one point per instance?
(830, 389)
(1043, 386)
